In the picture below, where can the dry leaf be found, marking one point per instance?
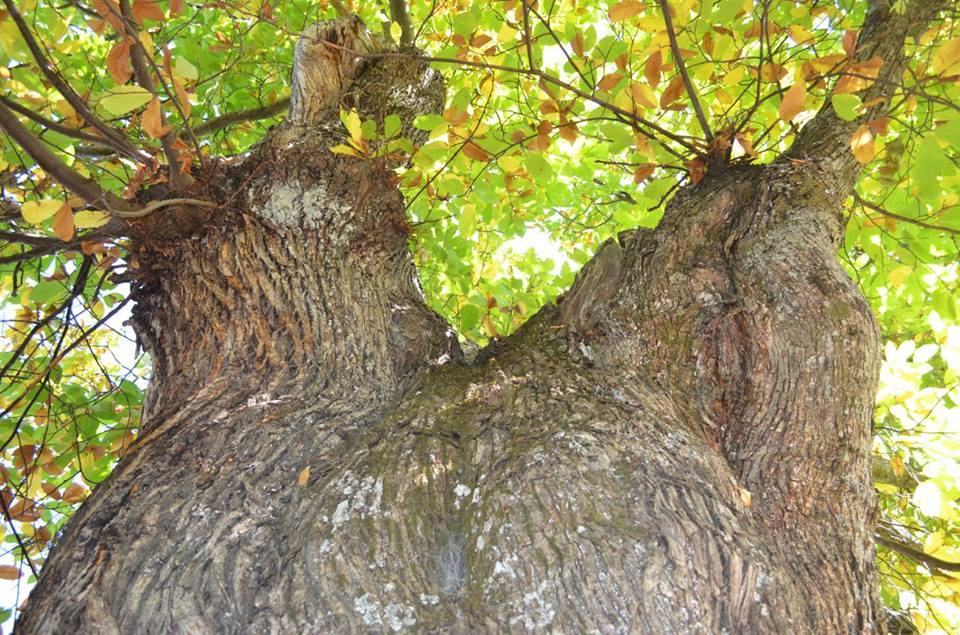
(152, 120)
(182, 97)
(793, 100)
(861, 144)
(303, 476)
(75, 493)
(568, 132)
(609, 81)
(63, 223)
(642, 172)
(672, 92)
(625, 9)
(146, 10)
(849, 42)
(577, 43)
(652, 69)
(475, 152)
(176, 7)
(9, 572)
(118, 61)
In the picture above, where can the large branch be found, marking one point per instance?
(826, 138)
(73, 181)
(141, 71)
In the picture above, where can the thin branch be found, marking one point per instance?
(632, 117)
(906, 219)
(527, 35)
(111, 136)
(682, 69)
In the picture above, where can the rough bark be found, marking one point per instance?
(681, 444)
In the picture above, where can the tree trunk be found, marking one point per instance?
(681, 444)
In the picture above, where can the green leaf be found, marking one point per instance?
(846, 106)
(123, 99)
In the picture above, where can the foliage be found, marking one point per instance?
(567, 121)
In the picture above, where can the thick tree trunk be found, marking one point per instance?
(680, 445)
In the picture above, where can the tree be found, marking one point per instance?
(681, 442)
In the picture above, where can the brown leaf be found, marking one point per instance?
(75, 493)
(549, 107)
(479, 40)
(110, 12)
(176, 7)
(859, 76)
(455, 117)
(152, 120)
(539, 143)
(652, 69)
(9, 572)
(746, 144)
(146, 10)
(672, 92)
(183, 97)
(475, 152)
(793, 100)
(303, 477)
(118, 61)
(861, 144)
(879, 126)
(609, 81)
(849, 42)
(697, 169)
(642, 172)
(625, 9)
(771, 72)
(63, 223)
(568, 132)
(577, 43)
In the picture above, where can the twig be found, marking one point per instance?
(906, 219)
(48, 124)
(915, 554)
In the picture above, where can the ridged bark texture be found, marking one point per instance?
(680, 445)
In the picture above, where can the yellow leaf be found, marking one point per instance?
(625, 9)
(933, 541)
(799, 34)
(89, 219)
(896, 277)
(643, 95)
(352, 122)
(793, 100)
(395, 31)
(509, 163)
(38, 211)
(304, 474)
(946, 60)
(861, 144)
(343, 149)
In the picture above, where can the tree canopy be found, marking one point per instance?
(566, 123)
